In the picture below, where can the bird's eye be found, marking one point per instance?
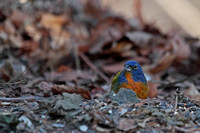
(135, 67)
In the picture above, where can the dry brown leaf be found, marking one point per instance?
(29, 46)
(16, 41)
(63, 68)
(123, 46)
(83, 92)
(53, 22)
(192, 92)
(139, 37)
(98, 91)
(9, 27)
(108, 30)
(153, 91)
(126, 124)
(45, 87)
(33, 32)
(163, 63)
(19, 18)
(180, 47)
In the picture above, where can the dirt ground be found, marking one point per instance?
(58, 60)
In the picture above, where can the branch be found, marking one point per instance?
(93, 67)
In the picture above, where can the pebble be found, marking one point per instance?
(58, 125)
(83, 128)
(110, 111)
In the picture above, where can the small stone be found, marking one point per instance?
(83, 128)
(110, 111)
(168, 110)
(124, 96)
(5, 103)
(58, 125)
(87, 107)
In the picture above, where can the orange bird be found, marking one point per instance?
(131, 77)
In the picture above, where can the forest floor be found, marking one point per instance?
(58, 59)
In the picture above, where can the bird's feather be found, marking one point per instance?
(133, 79)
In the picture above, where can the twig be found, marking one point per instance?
(104, 115)
(183, 129)
(14, 83)
(93, 67)
(21, 99)
(176, 100)
(77, 60)
(16, 77)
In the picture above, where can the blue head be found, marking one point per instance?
(135, 69)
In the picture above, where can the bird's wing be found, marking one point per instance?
(115, 83)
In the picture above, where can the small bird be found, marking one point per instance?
(131, 77)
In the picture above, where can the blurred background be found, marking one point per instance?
(180, 16)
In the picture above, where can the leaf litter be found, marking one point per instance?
(58, 58)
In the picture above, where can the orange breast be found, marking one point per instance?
(139, 88)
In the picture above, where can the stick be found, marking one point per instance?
(93, 67)
(21, 99)
(14, 83)
(17, 76)
(77, 60)
(176, 101)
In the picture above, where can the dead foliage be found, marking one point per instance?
(58, 59)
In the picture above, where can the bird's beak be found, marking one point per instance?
(127, 68)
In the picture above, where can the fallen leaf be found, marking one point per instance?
(19, 18)
(53, 22)
(45, 87)
(9, 27)
(63, 68)
(108, 30)
(67, 101)
(162, 63)
(122, 46)
(98, 92)
(60, 89)
(180, 48)
(153, 91)
(126, 124)
(139, 37)
(16, 41)
(192, 92)
(29, 46)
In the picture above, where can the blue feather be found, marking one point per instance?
(137, 74)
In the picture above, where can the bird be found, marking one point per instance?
(131, 77)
